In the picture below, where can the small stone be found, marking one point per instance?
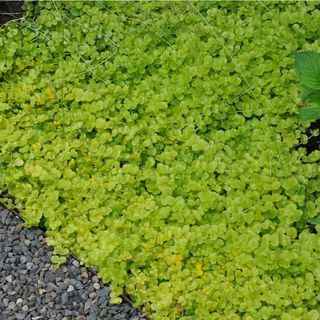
(64, 298)
(103, 312)
(49, 276)
(87, 305)
(70, 288)
(76, 263)
(29, 265)
(20, 316)
(19, 301)
(69, 313)
(9, 278)
(77, 284)
(25, 308)
(43, 310)
(42, 291)
(11, 306)
(5, 302)
(32, 298)
(96, 286)
(92, 295)
(103, 293)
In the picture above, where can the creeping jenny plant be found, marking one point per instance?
(156, 141)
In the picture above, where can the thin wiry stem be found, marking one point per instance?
(96, 66)
(261, 2)
(17, 19)
(221, 42)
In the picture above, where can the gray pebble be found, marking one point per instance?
(9, 278)
(20, 316)
(76, 263)
(29, 265)
(64, 298)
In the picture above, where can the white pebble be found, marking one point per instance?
(70, 288)
(96, 286)
(9, 278)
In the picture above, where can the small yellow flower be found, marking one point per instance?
(71, 163)
(49, 93)
(179, 258)
(207, 292)
(199, 271)
(56, 122)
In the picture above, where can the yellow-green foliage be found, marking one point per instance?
(156, 140)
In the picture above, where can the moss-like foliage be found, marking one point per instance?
(157, 141)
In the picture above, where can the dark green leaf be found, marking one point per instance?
(310, 96)
(307, 65)
(314, 220)
(310, 113)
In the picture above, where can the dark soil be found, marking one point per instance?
(313, 142)
(10, 10)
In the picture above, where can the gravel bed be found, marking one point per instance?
(31, 289)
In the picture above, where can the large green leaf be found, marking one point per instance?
(314, 220)
(310, 113)
(310, 96)
(307, 65)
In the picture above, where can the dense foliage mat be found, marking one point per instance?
(158, 142)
